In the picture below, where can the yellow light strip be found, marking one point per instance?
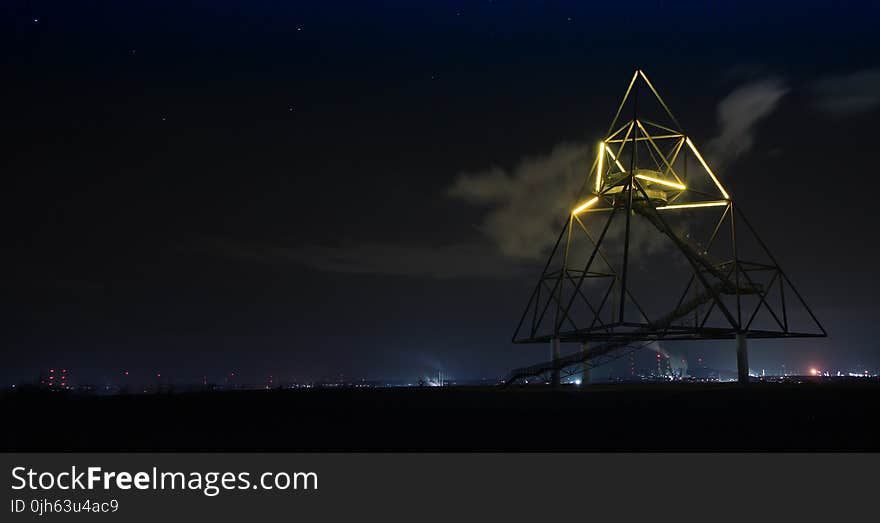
(658, 137)
(717, 203)
(674, 185)
(600, 170)
(708, 170)
(601, 209)
(584, 206)
(615, 160)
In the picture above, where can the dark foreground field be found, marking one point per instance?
(619, 417)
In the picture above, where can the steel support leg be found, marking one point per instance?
(742, 358)
(585, 376)
(555, 354)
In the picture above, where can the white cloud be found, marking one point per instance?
(738, 116)
(525, 207)
(449, 261)
(847, 94)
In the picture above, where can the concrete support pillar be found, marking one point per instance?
(742, 358)
(585, 376)
(555, 355)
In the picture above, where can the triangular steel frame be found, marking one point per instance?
(611, 188)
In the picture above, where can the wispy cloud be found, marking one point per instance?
(442, 262)
(848, 94)
(739, 114)
(524, 207)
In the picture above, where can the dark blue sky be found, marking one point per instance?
(196, 189)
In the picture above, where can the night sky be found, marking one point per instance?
(279, 188)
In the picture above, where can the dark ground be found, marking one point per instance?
(779, 417)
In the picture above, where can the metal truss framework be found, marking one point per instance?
(721, 299)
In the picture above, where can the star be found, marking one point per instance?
(299, 28)
(36, 20)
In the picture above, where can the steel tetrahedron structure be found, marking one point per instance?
(654, 249)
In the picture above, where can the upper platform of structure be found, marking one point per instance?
(650, 152)
(649, 180)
